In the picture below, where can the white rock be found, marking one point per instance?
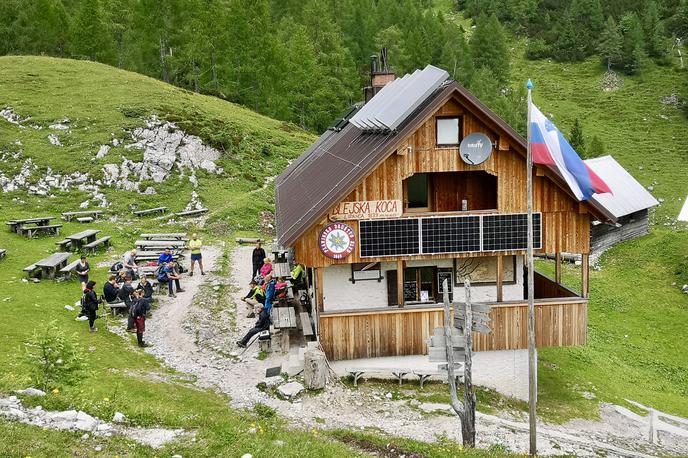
(54, 140)
(278, 443)
(69, 307)
(31, 392)
(67, 415)
(290, 389)
(16, 413)
(118, 417)
(98, 448)
(104, 427)
(85, 422)
(389, 395)
(104, 149)
(246, 455)
(177, 456)
(85, 436)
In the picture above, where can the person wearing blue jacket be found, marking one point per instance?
(269, 292)
(165, 257)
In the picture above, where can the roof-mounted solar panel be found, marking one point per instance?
(398, 99)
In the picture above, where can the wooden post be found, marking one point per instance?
(500, 278)
(401, 265)
(557, 268)
(585, 274)
(319, 297)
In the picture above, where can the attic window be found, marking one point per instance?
(448, 131)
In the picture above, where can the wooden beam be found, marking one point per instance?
(500, 278)
(319, 297)
(557, 268)
(401, 265)
(585, 273)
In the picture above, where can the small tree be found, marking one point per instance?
(610, 43)
(54, 357)
(655, 43)
(633, 47)
(596, 147)
(576, 139)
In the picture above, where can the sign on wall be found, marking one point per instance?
(337, 240)
(367, 209)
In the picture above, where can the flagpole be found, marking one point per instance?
(532, 352)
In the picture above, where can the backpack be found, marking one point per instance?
(162, 275)
(116, 267)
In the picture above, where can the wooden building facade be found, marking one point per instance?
(405, 211)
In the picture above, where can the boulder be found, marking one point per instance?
(118, 417)
(67, 415)
(85, 422)
(31, 392)
(291, 389)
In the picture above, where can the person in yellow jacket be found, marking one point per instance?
(195, 245)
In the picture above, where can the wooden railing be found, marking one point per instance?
(404, 331)
(546, 288)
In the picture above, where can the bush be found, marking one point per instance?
(54, 357)
(537, 49)
(264, 411)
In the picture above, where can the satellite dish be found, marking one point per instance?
(475, 148)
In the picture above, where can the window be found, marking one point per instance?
(419, 284)
(448, 131)
(361, 271)
(418, 192)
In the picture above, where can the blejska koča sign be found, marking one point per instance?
(366, 209)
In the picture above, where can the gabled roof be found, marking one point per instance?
(629, 195)
(333, 166)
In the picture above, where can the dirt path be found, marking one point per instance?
(192, 340)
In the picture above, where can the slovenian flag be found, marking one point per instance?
(550, 148)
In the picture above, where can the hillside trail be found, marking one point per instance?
(190, 339)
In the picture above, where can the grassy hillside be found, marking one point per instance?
(637, 312)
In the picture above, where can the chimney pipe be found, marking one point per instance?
(373, 64)
(380, 74)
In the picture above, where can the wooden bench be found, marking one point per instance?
(31, 231)
(116, 306)
(93, 214)
(247, 240)
(306, 325)
(93, 246)
(192, 212)
(149, 211)
(85, 219)
(64, 245)
(69, 268)
(165, 236)
(358, 372)
(31, 270)
(425, 374)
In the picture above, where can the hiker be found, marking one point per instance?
(129, 263)
(298, 278)
(254, 299)
(263, 324)
(139, 311)
(169, 274)
(281, 286)
(146, 287)
(110, 290)
(269, 292)
(81, 269)
(125, 295)
(266, 268)
(258, 256)
(121, 277)
(165, 257)
(89, 303)
(195, 245)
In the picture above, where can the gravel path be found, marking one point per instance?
(194, 341)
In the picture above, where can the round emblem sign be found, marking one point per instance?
(337, 240)
(475, 148)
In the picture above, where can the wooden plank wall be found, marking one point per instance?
(565, 227)
(404, 332)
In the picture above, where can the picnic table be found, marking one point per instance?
(16, 224)
(82, 238)
(198, 212)
(148, 211)
(165, 236)
(284, 317)
(52, 264)
(68, 216)
(160, 244)
(153, 255)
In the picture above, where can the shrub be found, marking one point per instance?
(55, 358)
(537, 49)
(264, 411)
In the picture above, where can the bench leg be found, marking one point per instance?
(422, 379)
(400, 376)
(357, 375)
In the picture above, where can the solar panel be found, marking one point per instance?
(395, 101)
(390, 237)
(510, 232)
(456, 234)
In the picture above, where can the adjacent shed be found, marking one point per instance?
(629, 204)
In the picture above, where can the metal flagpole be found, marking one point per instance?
(532, 352)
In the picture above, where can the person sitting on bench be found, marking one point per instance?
(263, 324)
(254, 299)
(165, 257)
(129, 263)
(146, 287)
(126, 293)
(169, 274)
(281, 288)
(298, 278)
(269, 288)
(110, 290)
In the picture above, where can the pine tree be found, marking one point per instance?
(90, 36)
(678, 23)
(456, 57)
(633, 47)
(568, 47)
(576, 139)
(42, 27)
(392, 39)
(489, 48)
(654, 31)
(588, 21)
(610, 43)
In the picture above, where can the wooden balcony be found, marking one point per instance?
(561, 319)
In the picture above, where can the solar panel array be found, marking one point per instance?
(451, 234)
(510, 232)
(457, 234)
(398, 99)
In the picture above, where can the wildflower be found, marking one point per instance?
(56, 391)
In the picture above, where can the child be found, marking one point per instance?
(141, 308)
